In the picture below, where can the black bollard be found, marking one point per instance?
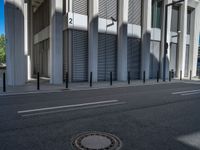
(181, 75)
(38, 81)
(190, 74)
(129, 77)
(144, 77)
(111, 78)
(158, 76)
(170, 76)
(4, 82)
(90, 79)
(67, 81)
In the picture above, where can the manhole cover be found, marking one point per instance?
(96, 141)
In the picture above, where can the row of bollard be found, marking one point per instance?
(171, 76)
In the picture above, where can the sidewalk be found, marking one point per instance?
(46, 87)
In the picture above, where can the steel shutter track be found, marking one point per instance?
(80, 56)
(134, 12)
(173, 57)
(108, 9)
(154, 59)
(187, 60)
(134, 57)
(107, 57)
(80, 7)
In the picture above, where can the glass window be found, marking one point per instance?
(157, 13)
(175, 19)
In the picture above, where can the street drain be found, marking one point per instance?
(96, 141)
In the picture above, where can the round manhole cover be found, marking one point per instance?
(96, 141)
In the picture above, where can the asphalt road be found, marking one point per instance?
(158, 117)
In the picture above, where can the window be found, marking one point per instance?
(175, 19)
(157, 13)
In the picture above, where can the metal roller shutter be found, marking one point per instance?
(80, 6)
(107, 57)
(154, 59)
(134, 12)
(108, 9)
(173, 57)
(187, 60)
(79, 56)
(134, 57)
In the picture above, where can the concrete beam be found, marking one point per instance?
(56, 41)
(146, 37)
(122, 40)
(15, 51)
(93, 39)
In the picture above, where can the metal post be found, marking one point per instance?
(158, 76)
(90, 79)
(190, 74)
(144, 77)
(67, 81)
(181, 75)
(129, 77)
(170, 76)
(111, 78)
(4, 82)
(38, 81)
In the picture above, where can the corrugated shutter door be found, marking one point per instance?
(134, 12)
(102, 57)
(187, 60)
(154, 59)
(173, 57)
(134, 57)
(80, 6)
(111, 56)
(79, 56)
(107, 57)
(108, 9)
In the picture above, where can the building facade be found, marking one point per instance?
(99, 36)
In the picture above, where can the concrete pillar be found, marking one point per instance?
(122, 40)
(194, 40)
(146, 37)
(93, 39)
(169, 15)
(182, 39)
(56, 41)
(30, 39)
(15, 52)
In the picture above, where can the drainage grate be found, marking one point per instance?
(96, 141)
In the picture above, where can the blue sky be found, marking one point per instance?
(2, 30)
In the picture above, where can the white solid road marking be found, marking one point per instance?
(67, 106)
(72, 109)
(184, 92)
(193, 93)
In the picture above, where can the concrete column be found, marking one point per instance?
(93, 39)
(169, 15)
(30, 39)
(194, 40)
(182, 39)
(56, 41)
(15, 52)
(146, 37)
(122, 40)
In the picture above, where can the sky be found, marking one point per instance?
(2, 30)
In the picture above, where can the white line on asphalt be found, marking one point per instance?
(67, 106)
(183, 92)
(193, 93)
(72, 109)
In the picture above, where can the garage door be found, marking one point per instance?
(79, 56)
(154, 59)
(107, 57)
(134, 58)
